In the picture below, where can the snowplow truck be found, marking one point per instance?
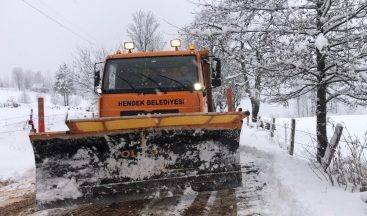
(157, 134)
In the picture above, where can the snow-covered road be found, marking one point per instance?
(246, 200)
(274, 183)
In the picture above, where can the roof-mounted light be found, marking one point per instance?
(192, 47)
(176, 43)
(129, 46)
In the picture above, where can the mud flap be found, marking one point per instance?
(140, 164)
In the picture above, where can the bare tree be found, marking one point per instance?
(18, 78)
(144, 32)
(83, 67)
(38, 77)
(28, 79)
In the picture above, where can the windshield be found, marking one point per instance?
(169, 73)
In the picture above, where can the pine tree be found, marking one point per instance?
(64, 83)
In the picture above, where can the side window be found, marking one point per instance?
(111, 79)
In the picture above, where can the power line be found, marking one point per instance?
(76, 26)
(57, 22)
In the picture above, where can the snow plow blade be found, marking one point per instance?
(125, 158)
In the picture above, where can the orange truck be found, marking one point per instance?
(157, 134)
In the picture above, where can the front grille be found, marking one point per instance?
(142, 112)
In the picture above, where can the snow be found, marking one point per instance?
(143, 167)
(16, 152)
(363, 76)
(293, 186)
(321, 41)
(65, 188)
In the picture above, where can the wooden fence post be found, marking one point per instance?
(272, 128)
(293, 133)
(330, 149)
(248, 120)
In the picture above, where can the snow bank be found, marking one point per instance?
(295, 189)
(16, 154)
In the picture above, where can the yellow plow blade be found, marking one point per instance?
(192, 120)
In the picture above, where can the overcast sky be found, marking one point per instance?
(32, 41)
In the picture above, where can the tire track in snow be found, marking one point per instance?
(246, 200)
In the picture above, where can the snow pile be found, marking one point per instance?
(294, 188)
(58, 189)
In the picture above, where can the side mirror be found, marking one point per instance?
(97, 78)
(216, 73)
(218, 68)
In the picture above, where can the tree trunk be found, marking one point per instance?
(65, 99)
(255, 97)
(321, 107)
(321, 122)
(255, 104)
(298, 107)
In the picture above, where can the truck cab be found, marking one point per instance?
(157, 83)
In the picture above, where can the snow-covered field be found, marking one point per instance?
(16, 152)
(292, 186)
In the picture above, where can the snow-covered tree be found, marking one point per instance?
(18, 78)
(144, 32)
(38, 77)
(286, 49)
(322, 49)
(64, 83)
(225, 24)
(83, 69)
(28, 79)
(3, 83)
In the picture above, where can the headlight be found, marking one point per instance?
(198, 86)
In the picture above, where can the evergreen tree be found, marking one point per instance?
(64, 83)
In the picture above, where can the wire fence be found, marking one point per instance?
(13, 124)
(19, 126)
(349, 163)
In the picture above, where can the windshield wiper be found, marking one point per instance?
(154, 81)
(131, 86)
(181, 84)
